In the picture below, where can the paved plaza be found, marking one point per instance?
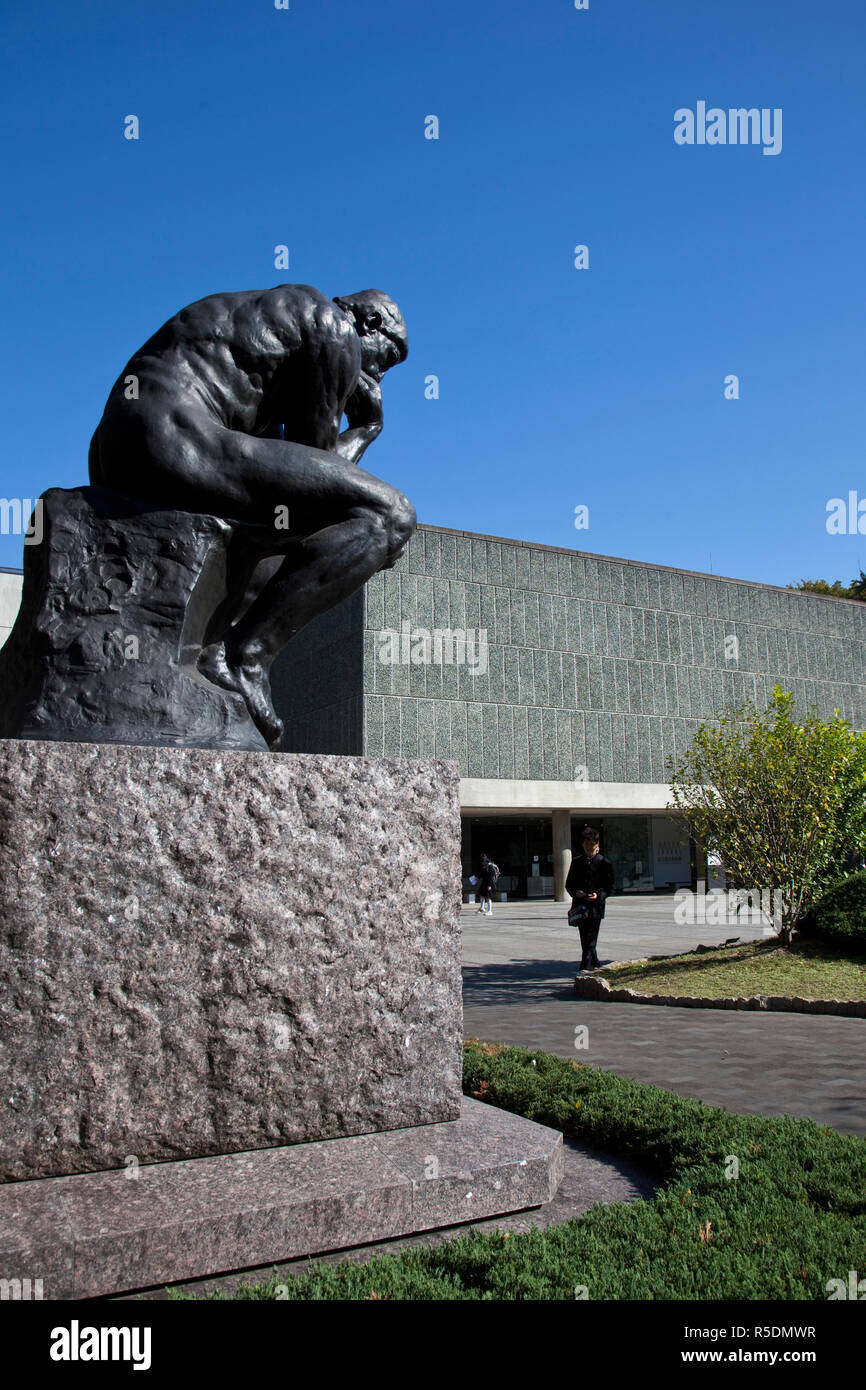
(519, 966)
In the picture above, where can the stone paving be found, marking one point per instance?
(519, 966)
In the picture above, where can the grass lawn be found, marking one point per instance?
(748, 1207)
(811, 970)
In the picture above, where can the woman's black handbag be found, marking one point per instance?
(578, 913)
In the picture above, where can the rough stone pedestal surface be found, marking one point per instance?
(115, 603)
(102, 1233)
(205, 952)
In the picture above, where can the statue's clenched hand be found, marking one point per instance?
(364, 407)
(363, 412)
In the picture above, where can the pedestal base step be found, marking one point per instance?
(100, 1233)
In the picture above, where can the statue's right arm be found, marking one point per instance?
(364, 416)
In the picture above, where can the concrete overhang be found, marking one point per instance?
(504, 795)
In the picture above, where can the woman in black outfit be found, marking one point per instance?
(590, 882)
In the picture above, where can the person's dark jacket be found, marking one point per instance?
(487, 876)
(592, 876)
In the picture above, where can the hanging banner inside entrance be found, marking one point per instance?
(671, 862)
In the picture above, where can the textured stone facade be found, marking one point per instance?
(595, 663)
(10, 601)
(603, 664)
(204, 952)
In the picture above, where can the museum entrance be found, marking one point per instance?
(649, 853)
(522, 848)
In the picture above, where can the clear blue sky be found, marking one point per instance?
(558, 387)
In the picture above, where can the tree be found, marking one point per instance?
(782, 801)
(856, 589)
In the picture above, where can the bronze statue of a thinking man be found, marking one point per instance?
(233, 408)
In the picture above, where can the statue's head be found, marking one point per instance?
(380, 327)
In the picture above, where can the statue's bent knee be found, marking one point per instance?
(400, 523)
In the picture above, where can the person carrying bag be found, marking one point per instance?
(487, 876)
(590, 883)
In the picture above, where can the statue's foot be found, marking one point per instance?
(212, 663)
(254, 685)
(249, 680)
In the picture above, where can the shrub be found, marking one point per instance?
(789, 1216)
(781, 799)
(840, 915)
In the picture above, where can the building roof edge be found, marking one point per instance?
(640, 564)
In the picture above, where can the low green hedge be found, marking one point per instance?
(793, 1218)
(840, 915)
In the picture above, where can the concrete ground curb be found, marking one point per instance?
(591, 987)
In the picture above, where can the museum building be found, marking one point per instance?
(572, 679)
(561, 682)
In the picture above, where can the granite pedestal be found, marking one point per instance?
(230, 1012)
(103, 1233)
(209, 952)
